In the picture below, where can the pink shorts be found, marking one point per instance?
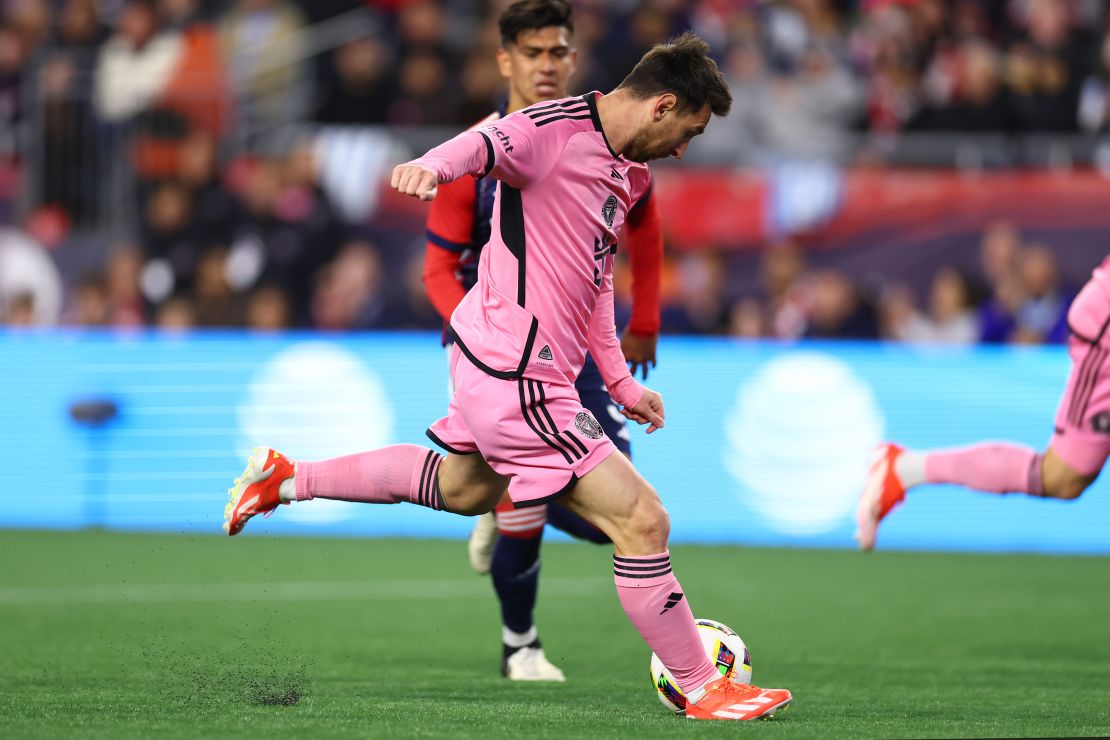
(1082, 434)
(538, 434)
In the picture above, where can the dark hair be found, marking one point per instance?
(532, 15)
(681, 66)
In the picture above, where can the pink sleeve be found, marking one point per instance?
(511, 150)
(605, 348)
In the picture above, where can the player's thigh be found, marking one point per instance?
(616, 499)
(469, 485)
(1061, 480)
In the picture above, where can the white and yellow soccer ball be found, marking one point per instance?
(723, 646)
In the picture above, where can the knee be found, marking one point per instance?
(471, 500)
(650, 524)
(1066, 488)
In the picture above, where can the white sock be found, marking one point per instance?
(518, 639)
(287, 489)
(693, 697)
(910, 468)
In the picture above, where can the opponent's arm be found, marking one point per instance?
(642, 405)
(644, 239)
(450, 225)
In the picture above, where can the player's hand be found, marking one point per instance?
(414, 180)
(639, 351)
(648, 411)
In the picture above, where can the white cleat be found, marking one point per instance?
(480, 546)
(530, 664)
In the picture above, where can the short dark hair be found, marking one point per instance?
(532, 15)
(681, 66)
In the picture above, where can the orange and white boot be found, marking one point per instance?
(884, 491)
(725, 699)
(256, 490)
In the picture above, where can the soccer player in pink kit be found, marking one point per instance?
(1076, 452)
(568, 171)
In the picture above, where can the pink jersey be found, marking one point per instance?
(1090, 311)
(545, 280)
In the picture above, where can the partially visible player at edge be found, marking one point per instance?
(1076, 452)
(537, 57)
(568, 172)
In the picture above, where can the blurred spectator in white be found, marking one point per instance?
(1043, 315)
(27, 270)
(809, 110)
(950, 318)
(135, 63)
(265, 45)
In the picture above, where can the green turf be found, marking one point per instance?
(130, 635)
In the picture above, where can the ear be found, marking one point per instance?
(667, 102)
(504, 63)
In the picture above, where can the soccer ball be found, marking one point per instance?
(724, 647)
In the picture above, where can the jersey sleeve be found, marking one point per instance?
(644, 238)
(522, 151)
(605, 348)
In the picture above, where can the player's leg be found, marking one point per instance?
(459, 483)
(515, 564)
(615, 498)
(1077, 452)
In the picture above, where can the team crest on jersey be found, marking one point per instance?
(587, 425)
(1100, 422)
(609, 210)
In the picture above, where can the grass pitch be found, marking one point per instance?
(130, 635)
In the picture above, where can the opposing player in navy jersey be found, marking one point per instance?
(537, 58)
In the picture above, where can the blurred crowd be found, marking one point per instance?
(1014, 295)
(200, 109)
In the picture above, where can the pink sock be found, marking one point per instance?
(653, 600)
(386, 476)
(1000, 468)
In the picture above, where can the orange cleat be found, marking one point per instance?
(882, 493)
(725, 699)
(256, 490)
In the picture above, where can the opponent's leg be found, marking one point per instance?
(616, 499)
(515, 571)
(463, 484)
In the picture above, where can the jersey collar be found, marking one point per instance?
(591, 101)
